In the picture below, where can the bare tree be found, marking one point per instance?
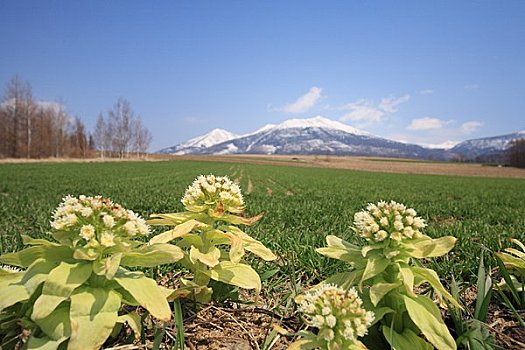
(102, 136)
(78, 139)
(17, 109)
(120, 118)
(141, 137)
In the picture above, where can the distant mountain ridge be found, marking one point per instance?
(193, 145)
(322, 136)
(488, 148)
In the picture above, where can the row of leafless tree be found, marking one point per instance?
(33, 129)
(121, 133)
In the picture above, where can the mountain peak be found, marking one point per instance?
(212, 138)
(320, 122)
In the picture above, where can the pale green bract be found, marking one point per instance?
(338, 315)
(214, 205)
(386, 273)
(72, 292)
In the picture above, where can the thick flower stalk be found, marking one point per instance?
(338, 315)
(214, 206)
(386, 272)
(72, 291)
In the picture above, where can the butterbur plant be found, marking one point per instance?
(386, 272)
(511, 264)
(337, 314)
(212, 243)
(72, 290)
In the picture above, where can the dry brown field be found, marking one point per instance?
(375, 164)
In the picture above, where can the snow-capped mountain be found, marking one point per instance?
(316, 135)
(195, 144)
(488, 148)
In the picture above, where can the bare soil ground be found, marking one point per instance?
(376, 164)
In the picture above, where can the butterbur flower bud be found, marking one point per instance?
(217, 194)
(337, 313)
(96, 222)
(395, 221)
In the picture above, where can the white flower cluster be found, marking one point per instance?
(97, 220)
(211, 192)
(337, 313)
(388, 220)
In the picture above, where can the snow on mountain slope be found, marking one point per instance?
(214, 137)
(320, 122)
(478, 147)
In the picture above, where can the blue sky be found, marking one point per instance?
(427, 72)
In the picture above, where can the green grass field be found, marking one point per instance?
(301, 205)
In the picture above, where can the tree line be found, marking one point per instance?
(516, 153)
(35, 129)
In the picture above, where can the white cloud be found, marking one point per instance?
(426, 123)
(390, 104)
(471, 126)
(303, 103)
(426, 92)
(364, 112)
(471, 87)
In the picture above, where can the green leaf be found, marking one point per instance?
(93, 313)
(107, 267)
(87, 253)
(426, 247)
(251, 244)
(512, 262)
(36, 274)
(408, 279)
(43, 343)
(172, 219)
(484, 293)
(307, 344)
(236, 220)
(406, 340)
(59, 285)
(374, 266)
(146, 292)
(432, 277)
(239, 275)
(27, 256)
(56, 325)
(210, 258)
(345, 279)
(152, 255)
(178, 231)
(11, 291)
(425, 314)
(27, 240)
(379, 290)
(236, 248)
(340, 249)
(190, 240)
(134, 321)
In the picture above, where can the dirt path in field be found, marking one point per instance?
(249, 188)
